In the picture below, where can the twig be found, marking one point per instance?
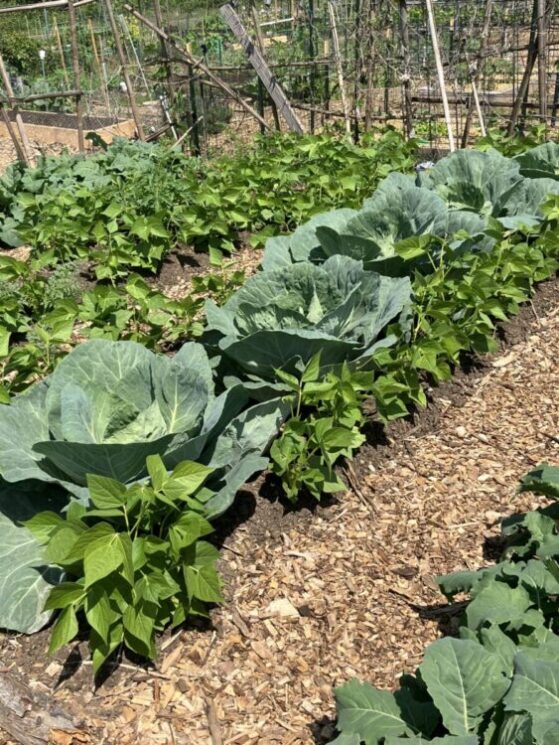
(209, 650)
(213, 723)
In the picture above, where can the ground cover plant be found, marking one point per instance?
(496, 683)
(368, 306)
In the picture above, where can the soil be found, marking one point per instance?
(353, 575)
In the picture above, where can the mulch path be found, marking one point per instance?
(318, 595)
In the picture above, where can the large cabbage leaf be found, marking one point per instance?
(25, 581)
(481, 182)
(540, 162)
(282, 318)
(106, 407)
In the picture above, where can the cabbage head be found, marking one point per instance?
(106, 407)
(398, 210)
(280, 319)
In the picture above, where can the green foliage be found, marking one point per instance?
(133, 560)
(129, 205)
(324, 426)
(282, 318)
(497, 683)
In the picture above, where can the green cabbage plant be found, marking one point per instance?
(102, 412)
(281, 319)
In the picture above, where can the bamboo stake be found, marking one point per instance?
(125, 75)
(478, 110)
(196, 64)
(25, 144)
(99, 66)
(11, 131)
(61, 53)
(338, 63)
(440, 74)
(76, 69)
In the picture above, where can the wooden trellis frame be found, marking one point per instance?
(23, 148)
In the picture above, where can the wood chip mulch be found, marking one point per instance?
(344, 591)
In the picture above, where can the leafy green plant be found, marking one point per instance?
(133, 560)
(281, 319)
(497, 683)
(324, 427)
(102, 412)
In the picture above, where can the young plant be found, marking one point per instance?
(324, 427)
(133, 559)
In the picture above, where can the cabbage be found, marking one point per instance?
(281, 318)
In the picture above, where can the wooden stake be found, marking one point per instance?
(440, 74)
(338, 63)
(61, 52)
(542, 59)
(478, 110)
(11, 131)
(122, 59)
(196, 64)
(406, 71)
(525, 82)
(476, 74)
(260, 42)
(263, 71)
(25, 144)
(165, 52)
(76, 69)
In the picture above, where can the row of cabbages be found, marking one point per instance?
(333, 286)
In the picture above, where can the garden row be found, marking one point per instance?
(119, 460)
(127, 208)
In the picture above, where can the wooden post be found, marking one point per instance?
(11, 131)
(260, 42)
(25, 144)
(475, 73)
(76, 69)
(122, 59)
(196, 64)
(406, 70)
(312, 71)
(61, 52)
(542, 60)
(525, 82)
(31, 717)
(165, 52)
(338, 63)
(264, 73)
(370, 65)
(440, 74)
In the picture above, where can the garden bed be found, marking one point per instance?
(353, 577)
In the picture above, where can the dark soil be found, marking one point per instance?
(179, 266)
